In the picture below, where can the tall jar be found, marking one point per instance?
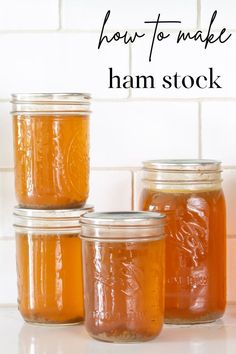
(189, 192)
(51, 149)
(49, 265)
(123, 264)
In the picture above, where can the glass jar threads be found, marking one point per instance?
(49, 265)
(51, 149)
(189, 193)
(123, 263)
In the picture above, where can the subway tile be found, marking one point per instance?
(218, 131)
(7, 202)
(231, 270)
(110, 190)
(6, 145)
(229, 185)
(138, 186)
(87, 15)
(188, 60)
(29, 14)
(8, 287)
(225, 13)
(126, 133)
(59, 62)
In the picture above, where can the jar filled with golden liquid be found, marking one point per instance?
(123, 263)
(189, 192)
(49, 265)
(51, 149)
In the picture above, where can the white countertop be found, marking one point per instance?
(17, 337)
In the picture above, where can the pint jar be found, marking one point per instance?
(123, 263)
(189, 192)
(51, 150)
(49, 265)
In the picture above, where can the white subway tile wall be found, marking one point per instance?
(7, 201)
(6, 143)
(185, 58)
(225, 15)
(218, 131)
(49, 62)
(29, 15)
(52, 46)
(127, 15)
(111, 190)
(123, 134)
(8, 272)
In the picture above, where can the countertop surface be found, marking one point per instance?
(18, 337)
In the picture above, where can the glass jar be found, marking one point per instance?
(189, 192)
(49, 265)
(123, 263)
(51, 150)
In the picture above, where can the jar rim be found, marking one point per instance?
(63, 97)
(122, 226)
(123, 218)
(52, 213)
(48, 103)
(204, 165)
(48, 219)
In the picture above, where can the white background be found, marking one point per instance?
(51, 45)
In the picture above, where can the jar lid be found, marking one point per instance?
(50, 102)
(49, 97)
(182, 175)
(127, 218)
(123, 226)
(183, 165)
(46, 220)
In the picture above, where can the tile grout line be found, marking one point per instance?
(6, 169)
(166, 99)
(28, 31)
(7, 238)
(130, 68)
(199, 13)
(97, 31)
(116, 168)
(228, 167)
(154, 99)
(199, 130)
(4, 100)
(132, 189)
(231, 237)
(59, 15)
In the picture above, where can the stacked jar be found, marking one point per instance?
(51, 152)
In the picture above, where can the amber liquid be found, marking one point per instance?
(51, 160)
(195, 253)
(124, 289)
(49, 269)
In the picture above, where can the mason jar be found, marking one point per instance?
(51, 149)
(123, 264)
(189, 192)
(49, 265)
